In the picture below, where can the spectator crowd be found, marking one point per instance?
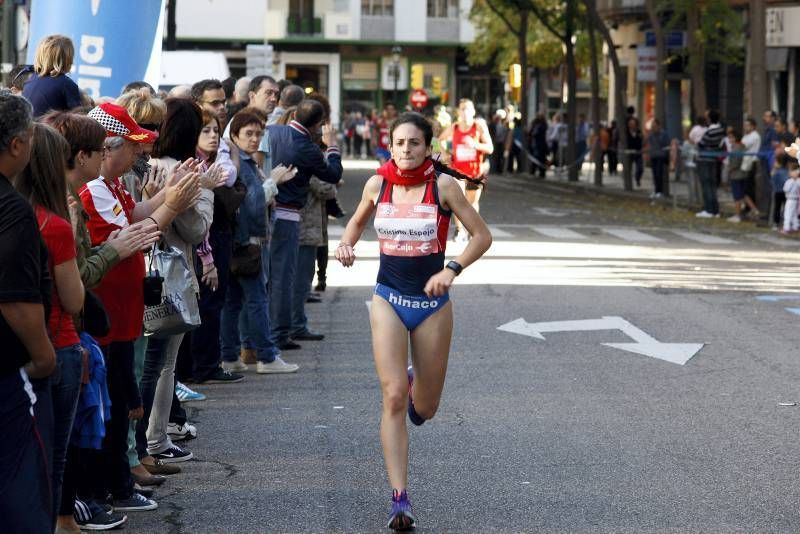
(148, 242)
(710, 157)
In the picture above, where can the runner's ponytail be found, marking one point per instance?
(442, 168)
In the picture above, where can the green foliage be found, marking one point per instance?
(494, 43)
(721, 31)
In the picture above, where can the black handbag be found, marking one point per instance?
(94, 316)
(230, 198)
(246, 260)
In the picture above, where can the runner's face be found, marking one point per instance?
(249, 138)
(208, 141)
(408, 147)
(466, 112)
(213, 101)
(266, 97)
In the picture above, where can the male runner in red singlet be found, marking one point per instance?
(384, 123)
(470, 142)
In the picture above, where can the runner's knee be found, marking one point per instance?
(395, 398)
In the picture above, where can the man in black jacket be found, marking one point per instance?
(294, 145)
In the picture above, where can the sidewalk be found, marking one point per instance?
(613, 185)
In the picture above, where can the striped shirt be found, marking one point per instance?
(712, 141)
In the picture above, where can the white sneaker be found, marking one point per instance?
(235, 367)
(182, 432)
(276, 366)
(734, 219)
(703, 215)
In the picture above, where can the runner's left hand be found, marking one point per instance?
(439, 284)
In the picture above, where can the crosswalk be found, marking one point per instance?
(587, 233)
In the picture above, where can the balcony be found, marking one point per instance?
(297, 26)
(377, 28)
(443, 30)
(618, 9)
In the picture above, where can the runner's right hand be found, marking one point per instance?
(345, 254)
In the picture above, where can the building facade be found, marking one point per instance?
(361, 53)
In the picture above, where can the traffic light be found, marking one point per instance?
(417, 78)
(436, 85)
(515, 75)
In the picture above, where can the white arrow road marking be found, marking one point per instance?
(678, 353)
(795, 311)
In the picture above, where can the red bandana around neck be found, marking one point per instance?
(416, 176)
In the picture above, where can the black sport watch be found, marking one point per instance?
(455, 267)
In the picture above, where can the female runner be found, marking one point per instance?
(470, 142)
(412, 207)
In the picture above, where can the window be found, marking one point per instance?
(377, 8)
(443, 9)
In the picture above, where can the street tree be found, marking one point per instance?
(515, 17)
(561, 20)
(714, 34)
(619, 90)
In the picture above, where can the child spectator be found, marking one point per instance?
(792, 190)
(780, 173)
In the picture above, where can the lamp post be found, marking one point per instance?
(396, 51)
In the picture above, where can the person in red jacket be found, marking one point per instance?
(111, 209)
(470, 142)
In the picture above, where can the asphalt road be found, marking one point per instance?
(561, 434)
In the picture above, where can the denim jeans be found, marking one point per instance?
(706, 172)
(26, 498)
(638, 163)
(306, 258)
(659, 166)
(244, 323)
(157, 387)
(246, 296)
(65, 387)
(283, 265)
(139, 349)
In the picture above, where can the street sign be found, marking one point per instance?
(419, 98)
(674, 39)
(678, 353)
(646, 64)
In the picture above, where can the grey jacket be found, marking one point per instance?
(190, 227)
(314, 216)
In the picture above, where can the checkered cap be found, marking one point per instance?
(118, 123)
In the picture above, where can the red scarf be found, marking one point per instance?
(396, 176)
